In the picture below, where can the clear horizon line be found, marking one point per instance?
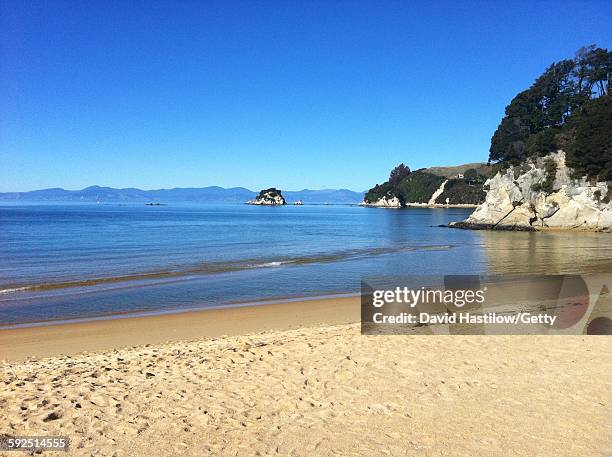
(174, 188)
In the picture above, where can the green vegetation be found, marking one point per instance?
(411, 187)
(398, 173)
(568, 107)
(379, 191)
(461, 191)
(473, 177)
(419, 186)
(591, 151)
(471, 174)
(452, 172)
(271, 192)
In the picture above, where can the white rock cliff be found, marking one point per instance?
(385, 202)
(515, 200)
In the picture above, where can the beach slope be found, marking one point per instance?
(321, 390)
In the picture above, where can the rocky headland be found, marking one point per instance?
(431, 187)
(553, 152)
(541, 194)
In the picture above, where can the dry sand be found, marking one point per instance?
(317, 390)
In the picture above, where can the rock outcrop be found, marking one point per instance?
(387, 201)
(271, 197)
(437, 193)
(542, 195)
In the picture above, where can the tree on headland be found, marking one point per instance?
(547, 116)
(470, 174)
(590, 153)
(399, 173)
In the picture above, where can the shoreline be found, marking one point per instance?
(464, 225)
(167, 311)
(70, 338)
(419, 205)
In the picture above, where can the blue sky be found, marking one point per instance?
(323, 94)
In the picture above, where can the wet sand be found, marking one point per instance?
(72, 338)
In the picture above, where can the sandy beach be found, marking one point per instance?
(74, 338)
(190, 265)
(283, 382)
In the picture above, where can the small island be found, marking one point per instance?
(270, 197)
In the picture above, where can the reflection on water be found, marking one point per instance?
(546, 252)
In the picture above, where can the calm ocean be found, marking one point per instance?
(61, 262)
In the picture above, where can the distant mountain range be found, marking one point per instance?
(212, 194)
